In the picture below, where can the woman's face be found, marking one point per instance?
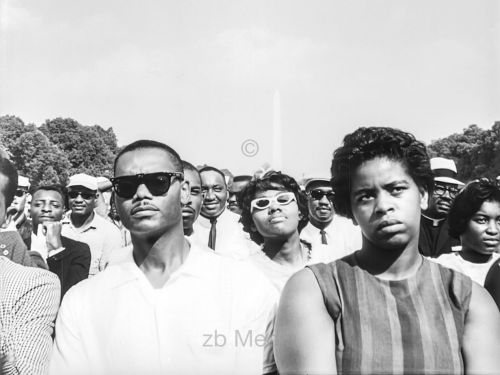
(482, 233)
(386, 203)
(280, 217)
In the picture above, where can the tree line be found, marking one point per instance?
(59, 148)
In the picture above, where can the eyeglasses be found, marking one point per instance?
(439, 190)
(73, 194)
(157, 183)
(318, 194)
(263, 203)
(20, 192)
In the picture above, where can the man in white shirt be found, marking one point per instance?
(169, 306)
(339, 234)
(217, 226)
(84, 225)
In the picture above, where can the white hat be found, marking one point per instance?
(23, 182)
(314, 180)
(82, 179)
(445, 171)
(103, 183)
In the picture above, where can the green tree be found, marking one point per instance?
(40, 160)
(89, 149)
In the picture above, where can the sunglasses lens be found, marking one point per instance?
(284, 198)
(125, 187)
(20, 193)
(262, 203)
(84, 194)
(157, 184)
(316, 194)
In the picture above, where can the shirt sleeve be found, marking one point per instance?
(113, 242)
(29, 343)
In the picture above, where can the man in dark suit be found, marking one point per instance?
(434, 239)
(67, 258)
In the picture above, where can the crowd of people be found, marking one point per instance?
(390, 265)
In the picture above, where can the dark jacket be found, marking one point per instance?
(71, 265)
(434, 239)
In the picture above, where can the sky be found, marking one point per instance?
(202, 76)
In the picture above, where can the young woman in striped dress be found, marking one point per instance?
(385, 309)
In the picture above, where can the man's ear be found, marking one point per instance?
(424, 198)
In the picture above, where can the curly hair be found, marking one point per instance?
(367, 143)
(270, 181)
(468, 202)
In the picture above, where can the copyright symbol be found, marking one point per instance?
(249, 148)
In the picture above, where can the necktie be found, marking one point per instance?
(213, 233)
(324, 241)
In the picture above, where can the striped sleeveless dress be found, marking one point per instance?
(412, 326)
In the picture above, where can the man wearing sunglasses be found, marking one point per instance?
(16, 218)
(169, 305)
(339, 234)
(434, 239)
(83, 224)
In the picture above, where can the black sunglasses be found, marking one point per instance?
(318, 194)
(157, 183)
(85, 194)
(20, 192)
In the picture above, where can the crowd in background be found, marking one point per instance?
(180, 268)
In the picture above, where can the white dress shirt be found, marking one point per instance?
(213, 316)
(342, 235)
(231, 239)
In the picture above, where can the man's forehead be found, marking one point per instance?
(322, 185)
(144, 160)
(44, 194)
(192, 177)
(445, 184)
(212, 178)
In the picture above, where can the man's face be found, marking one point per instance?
(320, 205)
(146, 215)
(386, 203)
(19, 199)
(3, 184)
(46, 205)
(191, 208)
(81, 201)
(232, 201)
(441, 199)
(215, 189)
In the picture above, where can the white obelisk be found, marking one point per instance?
(277, 152)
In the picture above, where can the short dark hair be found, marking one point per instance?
(208, 168)
(9, 171)
(188, 166)
(367, 143)
(270, 181)
(58, 188)
(146, 143)
(468, 202)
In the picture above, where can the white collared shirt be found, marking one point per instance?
(102, 236)
(342, 235)
(231, 239)
(210, 317)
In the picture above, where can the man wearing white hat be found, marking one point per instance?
(339, 234)
(434, 238)
(16, 218)
(84, 225)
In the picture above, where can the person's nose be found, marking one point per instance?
(493, 227)
(142, 192)
(383, 203)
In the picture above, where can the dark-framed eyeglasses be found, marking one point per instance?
(20, 192)
(73, 194)
(157, 183)
(440, 190)
(318, 194)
